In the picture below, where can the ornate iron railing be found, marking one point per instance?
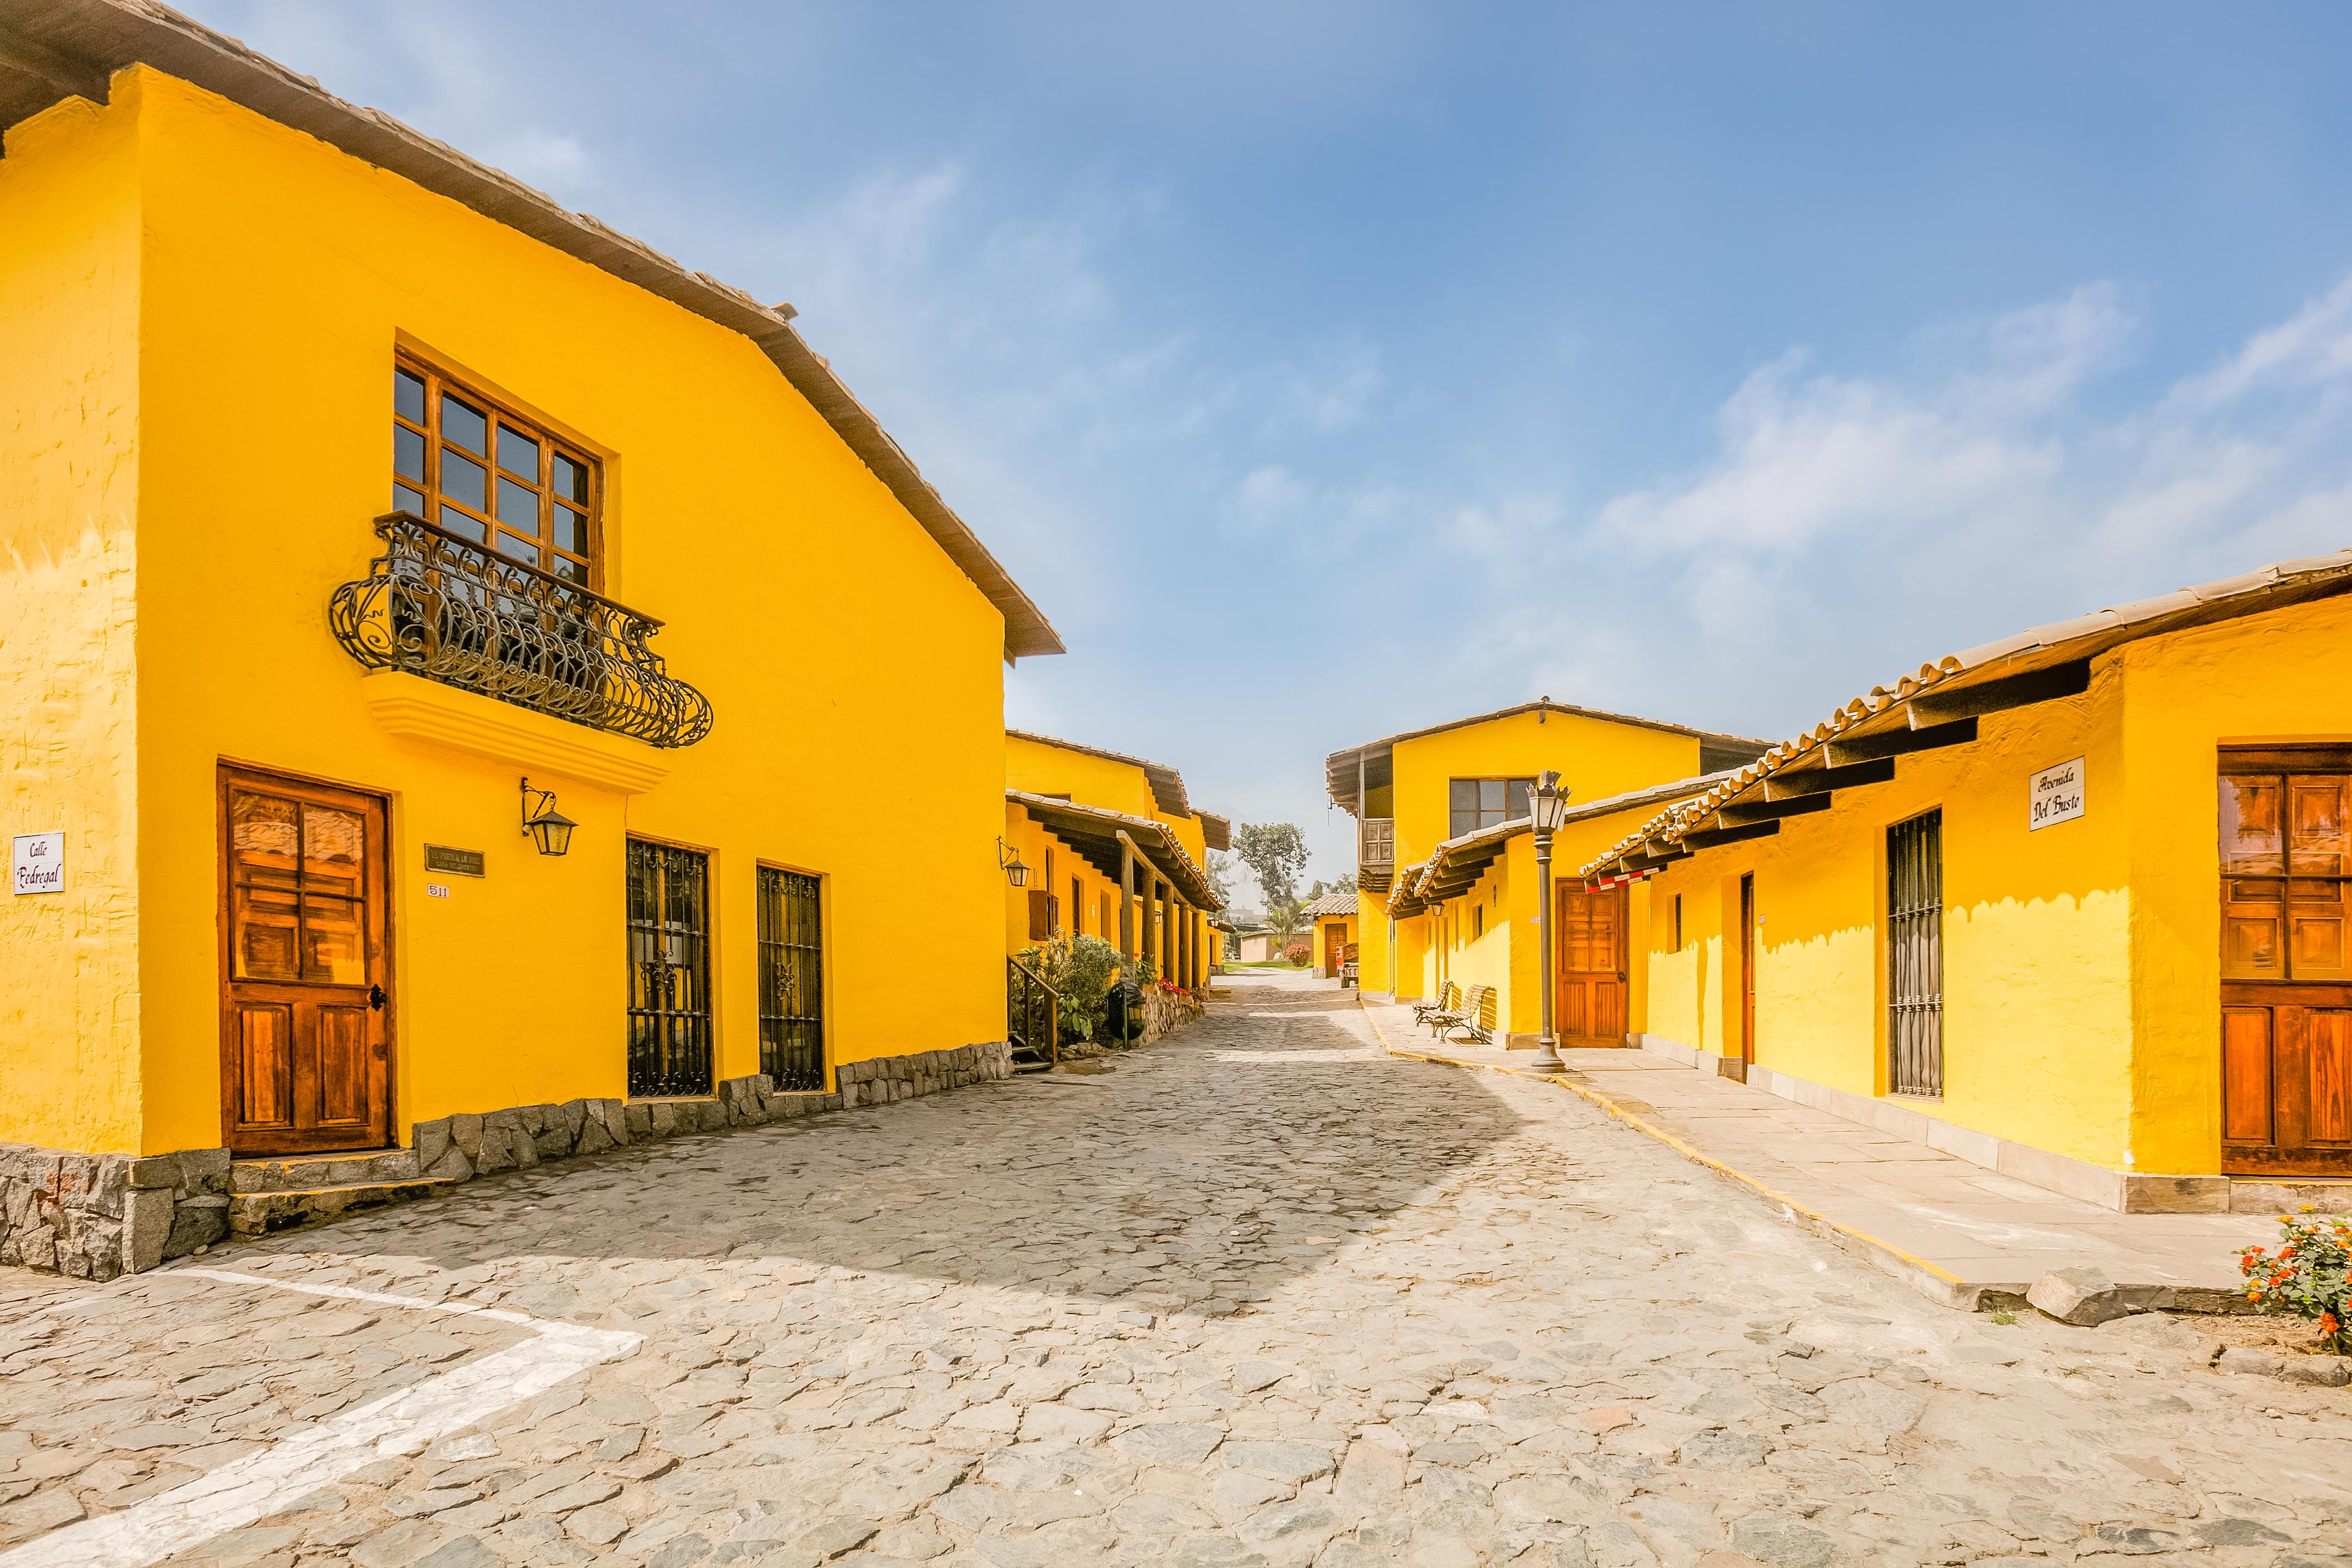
(437, 604)
(1032, 1014)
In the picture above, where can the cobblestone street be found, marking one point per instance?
(1260, 1294)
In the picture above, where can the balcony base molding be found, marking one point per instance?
(415, 709)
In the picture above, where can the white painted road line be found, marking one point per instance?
(404, 1422)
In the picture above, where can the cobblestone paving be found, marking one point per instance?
(1258, 1294)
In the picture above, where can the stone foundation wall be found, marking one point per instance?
(1165, 1011)
(97, 1215)
(459, 1148)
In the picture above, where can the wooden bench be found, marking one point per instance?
(1476, 1016)
(1447, 995)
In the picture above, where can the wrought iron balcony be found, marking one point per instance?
(437, 604)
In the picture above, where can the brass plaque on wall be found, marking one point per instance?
(464, 862)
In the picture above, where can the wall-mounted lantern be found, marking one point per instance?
(1009, 862)
(548, 828)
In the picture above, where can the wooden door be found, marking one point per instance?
(306, 968)
(1591, 966)
(1747, 967)
(1335, 938)
(2286, 962)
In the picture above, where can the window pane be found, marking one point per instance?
(518, 453)
(573, 571)
(457, 522)
(408, 453)
(464, 479)
(520, 549)
(570, 531)
(570, 478)
(517, 507)
(1461, 794)
(2249, 825)
(408, 395)
(463, 423)
(2317, 843)
(1519, 788)
(406, 500)
(1490, 799)
(1465, 821)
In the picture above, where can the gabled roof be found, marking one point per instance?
(1455, 865)
(1093, 831)
(1340, 903)
(2035, 665)
(52, 49)
(1339, 769)
(1216, 832)
(1167, 783)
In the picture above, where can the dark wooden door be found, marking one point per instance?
(1335, 938)
(1747, 967)
(1591, 966)
(306, 968)
(2286, 962)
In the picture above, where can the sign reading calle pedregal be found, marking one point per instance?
(2054, 794)
(41, 862)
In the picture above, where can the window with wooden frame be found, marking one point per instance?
(1678, 925)
(2286, 863)
(1474, 804)
(461, 462)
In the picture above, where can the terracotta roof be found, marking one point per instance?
(1883, 708)
(51, 49)
(1340, 903)
(1167, 783)
(1093, 830)
(1715, 750)
(1216, 832)
(1457, 862)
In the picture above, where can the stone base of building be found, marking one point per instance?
(94, 1217)
(1165, 1011)
(99, 1216)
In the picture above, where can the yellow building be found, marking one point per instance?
(2071, 905)
(1448, 888)
(1332, 922)
(350, 483)
(1108, 845)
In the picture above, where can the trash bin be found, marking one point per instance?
(1125, 1010)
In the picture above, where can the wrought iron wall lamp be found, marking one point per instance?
(549, 828)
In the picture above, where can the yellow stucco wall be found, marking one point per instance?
(69, 1014)
(279, 275)
(1595, 758)
(2082, 972)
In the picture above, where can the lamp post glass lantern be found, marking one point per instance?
(1009, 861)
(1548, 806)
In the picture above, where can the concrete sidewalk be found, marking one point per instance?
(1968, 1236)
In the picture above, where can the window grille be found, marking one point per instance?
(792, 980)
(1915, 955)
(670, 971)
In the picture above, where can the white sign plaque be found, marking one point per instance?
(41, 862)
(2054, 794)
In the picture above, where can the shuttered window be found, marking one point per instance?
(1915, 955)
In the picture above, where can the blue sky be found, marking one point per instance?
(1330, 370)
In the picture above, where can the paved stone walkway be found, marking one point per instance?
(1976, 1229)
(1259, 1295)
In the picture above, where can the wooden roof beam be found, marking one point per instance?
(1744, 813)
(1792, 784)
(1936, 707)
(1898, 742)
(1711, 837)
(70, 75)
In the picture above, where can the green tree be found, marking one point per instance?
(1276, 853)
(1220, 868)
